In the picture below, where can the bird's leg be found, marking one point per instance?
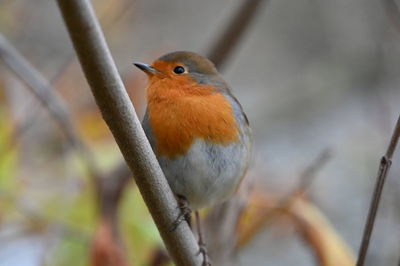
(202, 244)
(186, 212)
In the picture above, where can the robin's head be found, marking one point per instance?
(181, 67)
(185, 90)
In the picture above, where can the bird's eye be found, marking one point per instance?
(179, 70)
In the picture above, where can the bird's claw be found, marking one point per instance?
(185, 213)
(203, 250)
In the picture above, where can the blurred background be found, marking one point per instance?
(319, 81)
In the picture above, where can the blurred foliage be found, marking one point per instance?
(140, 232)
(8, 165)
(70, 252)
(8, 155)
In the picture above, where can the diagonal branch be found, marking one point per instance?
(384, 167)
(310, 173)
(120, 116)
(109, 186)
(49, 99)
(226, 42)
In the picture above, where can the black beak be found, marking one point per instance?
(146, 68)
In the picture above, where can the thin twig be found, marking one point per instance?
(220, 50)
(384, 167)
(310, 172)
(120, 116)
(306, 178)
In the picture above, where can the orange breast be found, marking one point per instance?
(180, 112)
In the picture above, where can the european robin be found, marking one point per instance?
(196, 127)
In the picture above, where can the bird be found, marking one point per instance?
(197, 129)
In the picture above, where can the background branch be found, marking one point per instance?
(309, 174)
(283, 205)
(120, 116)
(231, 35)
(393, 13)
(50, 100)
(109, 186)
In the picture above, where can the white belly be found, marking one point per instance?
(207, 174)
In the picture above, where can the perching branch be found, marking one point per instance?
(384, 167)
(120, 116)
